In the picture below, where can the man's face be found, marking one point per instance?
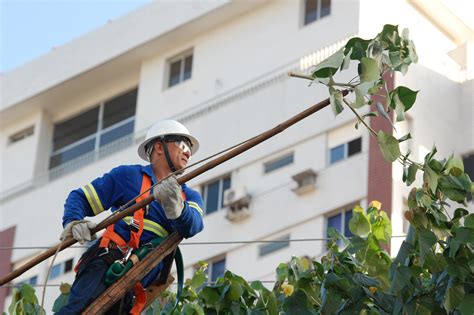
(180, 152)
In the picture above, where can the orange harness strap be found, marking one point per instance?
(137, 222)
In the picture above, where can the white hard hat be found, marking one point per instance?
(166, 128)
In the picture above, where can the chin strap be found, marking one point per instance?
(167, 156)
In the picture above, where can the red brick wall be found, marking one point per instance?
(380, 170)
(6, 240)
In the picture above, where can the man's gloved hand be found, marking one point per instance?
(169, 194)
(79, 230)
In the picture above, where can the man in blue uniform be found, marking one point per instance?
(167, 147)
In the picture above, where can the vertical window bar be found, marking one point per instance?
(99, 128)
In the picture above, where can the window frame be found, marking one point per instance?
(276, 245)
(182, 58)
(21, 135)
(220, 197)
(341, 211)
(272, 165)
(303, 14)
(62, 268)
(346, 150)
(97, 135)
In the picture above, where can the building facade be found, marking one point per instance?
(221, 68)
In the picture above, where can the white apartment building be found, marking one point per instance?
(220, 67)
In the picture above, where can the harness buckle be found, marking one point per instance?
(134, 225)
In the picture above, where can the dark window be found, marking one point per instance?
(180, 69)
(213, 193)
(340, 222)
(354, 146)
(216, 269)
(345, 150)
(119, 108)
(316, 9)
(33, 280)
(325, 7)
(279, 243)
(469, 169)
(68, 265)
(271, 166)
(25, 133)
(76, 128)
(90, 131)
(188, 67)
(310, 11)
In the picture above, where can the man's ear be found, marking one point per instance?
(158, 148)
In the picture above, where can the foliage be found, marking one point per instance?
(24, 301)
(433, 272)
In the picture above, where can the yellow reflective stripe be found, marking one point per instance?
(194, 205)
(151, 226)
(93, 198)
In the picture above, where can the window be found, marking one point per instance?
(213, 194)
(345, 150)
(61, 268)
(316, 9)
(340, 222)
(276, 164)
(97, 130)
(469, 169)
(279, 243)
(25, 133)
(31, 281)
(216, 269)
(180, 68)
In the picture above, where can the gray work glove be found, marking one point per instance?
(79, 230)
(169, 194)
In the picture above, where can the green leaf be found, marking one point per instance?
(359, 224)
(210, 295)
(405, 138)
(356, 47)
(462, 236)
(369, 70)
(329, 66)
(411, 176)
(360, 91)
(336, 99)
(28, 293)
(467, 305)
(297, 304)
(382, 228)
(389, 146)
(282, 272)
(454, 166)
(431, 178)
(389, 34)
(235, 292)
(192, 309)
(60, 302)
(426, 239)
(406, 97)
(198, 279)
(454, 296)
(469, 221)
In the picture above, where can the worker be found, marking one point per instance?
(167, 147)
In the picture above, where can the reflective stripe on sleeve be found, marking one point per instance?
(151, 226)
(93, 198)
(194, 205)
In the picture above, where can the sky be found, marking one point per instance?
(31, 28)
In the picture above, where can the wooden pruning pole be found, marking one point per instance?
(183, 179)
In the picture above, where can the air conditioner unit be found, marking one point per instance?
(306, 181)
(237, 201)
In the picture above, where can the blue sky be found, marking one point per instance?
(31, 28)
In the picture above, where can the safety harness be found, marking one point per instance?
(131, 252)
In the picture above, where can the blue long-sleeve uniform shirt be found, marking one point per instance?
(119, 186)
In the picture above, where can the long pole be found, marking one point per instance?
(183, 179)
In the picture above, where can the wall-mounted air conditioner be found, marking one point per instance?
(306, 181)
(237, 201)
